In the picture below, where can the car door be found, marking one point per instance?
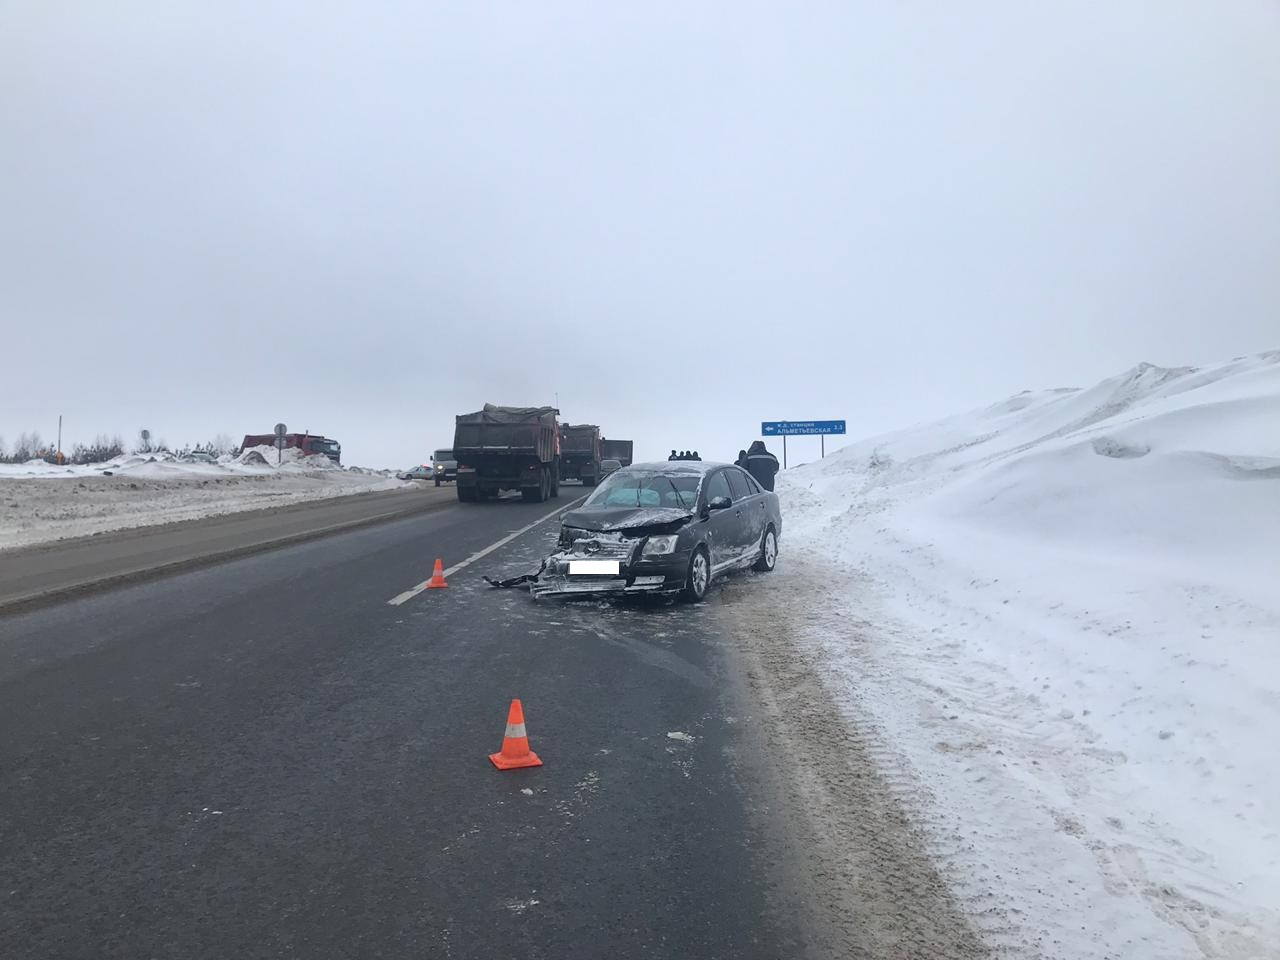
(725, 538)
(749, 501)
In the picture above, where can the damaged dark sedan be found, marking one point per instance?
(664, 528)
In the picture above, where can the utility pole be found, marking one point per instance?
(58, 452)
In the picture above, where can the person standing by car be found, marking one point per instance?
(742, 460)
(762, 464)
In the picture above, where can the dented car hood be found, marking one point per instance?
(625, 518)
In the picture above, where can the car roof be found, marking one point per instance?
(688, 467)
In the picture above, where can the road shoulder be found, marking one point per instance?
(33, 576)
(829, 801)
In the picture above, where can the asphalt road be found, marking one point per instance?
(265, 758)
(33, 574)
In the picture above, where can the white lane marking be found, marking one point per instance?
(450, 571)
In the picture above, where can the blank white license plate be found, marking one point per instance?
(593, 568)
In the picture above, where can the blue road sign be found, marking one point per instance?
(796, 428)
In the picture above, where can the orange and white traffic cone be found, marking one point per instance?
(437, 576)
(515, 743)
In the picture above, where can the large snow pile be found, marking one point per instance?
(139, 490)
(289, 458)
(1064, 611)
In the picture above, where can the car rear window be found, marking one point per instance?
(740, 483)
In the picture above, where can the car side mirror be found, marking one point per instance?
(719, 503)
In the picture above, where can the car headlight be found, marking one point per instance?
(659, 546)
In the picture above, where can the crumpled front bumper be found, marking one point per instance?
(636, 574)
(566, 585)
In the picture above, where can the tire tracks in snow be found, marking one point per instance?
(858, 875)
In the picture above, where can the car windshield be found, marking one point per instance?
(444, 455)
(635, 488)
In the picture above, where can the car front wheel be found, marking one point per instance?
(768, 552)
(698, 579)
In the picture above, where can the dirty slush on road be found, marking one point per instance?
(853, 870)
(850, 874)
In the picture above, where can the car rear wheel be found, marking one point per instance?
(698, 579)
(768, 552)
(466, 494)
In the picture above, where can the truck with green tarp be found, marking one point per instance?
(502, 448)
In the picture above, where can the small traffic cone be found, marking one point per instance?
(515, 744)
(437, 576)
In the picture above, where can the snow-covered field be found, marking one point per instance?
(1061, 614)
(40, 502)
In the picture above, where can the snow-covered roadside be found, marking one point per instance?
(40, 502)
(1063, 615)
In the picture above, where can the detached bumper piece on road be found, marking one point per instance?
(565, 587)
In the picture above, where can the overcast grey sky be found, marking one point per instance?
(683, 218)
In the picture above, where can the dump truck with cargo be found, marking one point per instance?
(580, 453)
(507, 448)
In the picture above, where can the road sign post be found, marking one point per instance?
(800, 428)
(281, 430)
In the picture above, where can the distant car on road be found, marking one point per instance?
(421, 472)
(664, 528)
(445, 466)
(200, 456)
(609, 466)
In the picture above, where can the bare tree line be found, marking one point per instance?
(31, 446)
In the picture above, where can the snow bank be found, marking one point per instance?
(1069, 603)
(134, 490)
(252, 461)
